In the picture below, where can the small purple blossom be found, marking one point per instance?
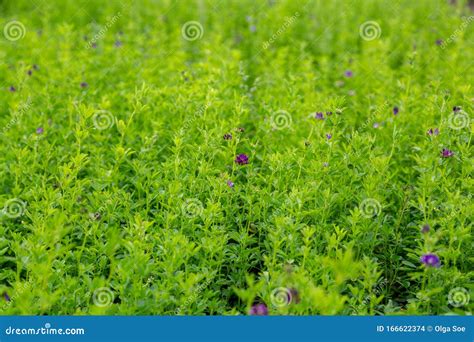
(12, 89)
(253, 28)
(118, 43)
(258, 310)
(456, 109)
(36, 67)
(328, 136)
(446, 153)
(29, 72)
(230, 184)
(39, 130)
(84, 84)
(242, 159)
(376, 125)
(328, 113)
(395, 110)
(439, 42)
(294, 296)
(227, 136)
(430, 260)
(432, 131)
(7, 297)
(319, 116)
(240, 129)
(94, 45)
(348, 73)
(426, 228)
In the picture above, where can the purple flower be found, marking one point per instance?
(294, 296)
(227, 136)
(432, 131)
(395, 110)
(253, 28)
(118, 43)
(84, 85)
(329, 136)
(426, 228)
(439, 42)
(456, 109)
(6, 296)
(12, 89)
(376, 125)
(348, 73)
(39, 130)
(230, 184)
(319, 115)
(242, 159)
(445, 153)
(328, 113)
(35, 67)
(430, 260)
(94, 45)
(240, 129)
(29, 72)
(258, 310)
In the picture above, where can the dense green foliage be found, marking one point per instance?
(120, 194)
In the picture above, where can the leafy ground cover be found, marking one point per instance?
(236, 157)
